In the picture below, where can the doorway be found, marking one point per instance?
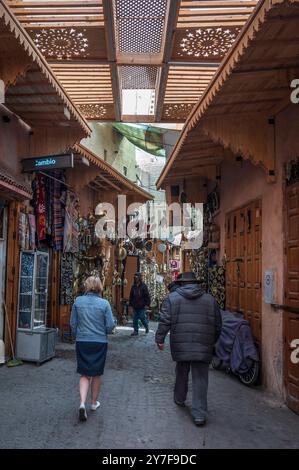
(243, 247)
(291, 312)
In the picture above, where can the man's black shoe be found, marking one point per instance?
(147, 330)
(179, 403)
(134, 333)
(199, 421)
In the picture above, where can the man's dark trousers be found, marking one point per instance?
(200, 381)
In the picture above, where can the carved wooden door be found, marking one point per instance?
(243, 269)
(291, 315)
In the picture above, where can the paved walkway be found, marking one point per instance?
(38, 406)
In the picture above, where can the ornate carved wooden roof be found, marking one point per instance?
(236, 113)
(32, 90)
(109, 179)
(98, 48)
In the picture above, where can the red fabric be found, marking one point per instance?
(41, 208)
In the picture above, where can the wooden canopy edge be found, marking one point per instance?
(108, 169)
(20, 190)
(27, 43)
(247, 34)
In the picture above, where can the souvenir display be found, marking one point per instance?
(216, 284)
(67, 278)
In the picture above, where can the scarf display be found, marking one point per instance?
(40, 207)
(27, 231)
(71, 227)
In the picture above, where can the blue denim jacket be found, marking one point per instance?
(91, 318)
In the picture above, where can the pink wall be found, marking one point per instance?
(242, 183)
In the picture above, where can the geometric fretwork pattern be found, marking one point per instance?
(139, 25)
(93, 111)
(177, 111)
(138, 78)
(208, 42)
(62, 43)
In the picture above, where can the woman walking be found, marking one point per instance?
(91, 321)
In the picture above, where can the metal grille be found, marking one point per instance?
(139, 25)
(138, 77)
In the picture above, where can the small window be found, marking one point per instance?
(125, 170)
(235, 223)
(105, 155)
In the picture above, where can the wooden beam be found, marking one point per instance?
(111, 52)
(173, 7)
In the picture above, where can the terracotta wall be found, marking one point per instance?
(13, 136)
(242, 183)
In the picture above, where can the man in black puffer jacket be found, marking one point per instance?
(194, 321)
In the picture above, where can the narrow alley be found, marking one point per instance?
(136, 410)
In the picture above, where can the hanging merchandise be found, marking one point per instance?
(71, 227)
(216, 284)
(57, 212)
(40, 206)
(157, 290)
(66, 278)
(27, 231)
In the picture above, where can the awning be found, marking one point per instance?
(147, 138)
(31, 89)
(109, 178)
(251, 86)
(13, 189)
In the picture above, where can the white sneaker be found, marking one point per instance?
(82, 413)
(96, 406)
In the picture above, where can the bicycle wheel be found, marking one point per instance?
(251, 377)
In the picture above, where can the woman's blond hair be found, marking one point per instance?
(93, 284)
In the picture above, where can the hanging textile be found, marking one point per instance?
(32, 231)
(71, 227)
(66, 279)
(147, 138)
(23, 232)
(57, 213)
(40, 207)
(27, 231)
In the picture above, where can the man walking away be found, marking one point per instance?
(139, 300)
(194, 321)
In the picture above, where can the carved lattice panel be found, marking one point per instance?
(209, 44)
(70, 43)
(138, 77)
(101, 112)
(176, 111)
(139, 25)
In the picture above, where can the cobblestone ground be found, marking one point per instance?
(38, 406)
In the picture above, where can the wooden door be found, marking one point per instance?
(243, 269)
(291, 315)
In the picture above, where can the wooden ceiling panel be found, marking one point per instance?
(56, 13)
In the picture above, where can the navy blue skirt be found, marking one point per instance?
(91, 358)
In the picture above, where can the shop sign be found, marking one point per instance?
(49, 162)
(174, 264)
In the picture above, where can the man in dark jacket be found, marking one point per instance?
(194, 321)
(139, 300)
